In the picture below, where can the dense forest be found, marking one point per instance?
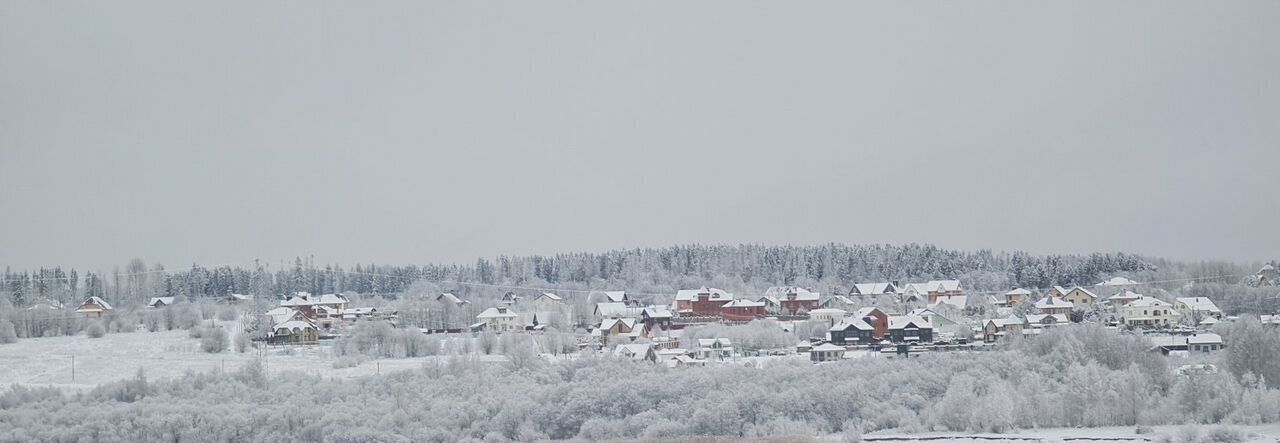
(838, 264)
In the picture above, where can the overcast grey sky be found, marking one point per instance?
(413, 132)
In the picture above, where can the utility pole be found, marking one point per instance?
(73, 367)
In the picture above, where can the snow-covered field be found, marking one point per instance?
(1260, 433)
(48, 361)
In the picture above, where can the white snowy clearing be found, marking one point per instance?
(47, 361)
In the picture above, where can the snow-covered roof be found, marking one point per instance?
(1020, 291)
(160, 300)
(842, 299)
(609, 323)
(958, 301)
(450, 298)
(829, 311)
(1199, 304)
(615, 309)
(306, 299)
(1002, 322)
(1117, 281)
(95, 300)
(769, 300)
(712, 293)
(857, 323)
(656, 312)
(1082, 290)
(291, 324)
(1125, 295)
(1209, 321)
(1204, 339)
(1040, 318)
(1053, 303)
(866, 312)
(1148, 302)
(636, 351)
(827, 347)
(549, 296)
(743, 303)
(902, 321)
(241, 297)
(792, 293)
(874, 288)
(500, 312)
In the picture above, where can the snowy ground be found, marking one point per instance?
(47, 361)
(1261, 433)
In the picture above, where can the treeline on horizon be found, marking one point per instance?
(830, 267)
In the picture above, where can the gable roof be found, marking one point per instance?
(1082, 290)
(160, 300)
(656, 312)
(1199, 304)
(783, 293)
(826, 347)
(1020, 291)
(501, 312)
(1117, 281)
(857, 323)
(1053, 303)
(450, 298)
(959, 301)
(635, 351)
(874, 288)
(902, 321)
(867, 311)
(95, 300)
(712, 293)
(615, 309)
(1148, 302)
(548, 296)
(743, 303)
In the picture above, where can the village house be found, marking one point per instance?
(875, 317)
(714, 349)
(1057, 291)
(1197, 307)
(1015, 296)
(793, 300)
(629, 329)
(772, 305)
(1150, 312)
(1039, 321)
(449, 298)
(548, 302)
(1204, 342)
(298, 331)
(1123, 297)
(94, 307)
(701, 302)
(742, 310)
(910, 329)
(281, 315)
(326, 318)
(839, 302)
(160, 302)
(1080, 297)
(939, 321)
(510, 298)
(636, 351)
(826, 352)
(935, 289)
(500, 319)
(852, 331)
(1268, 276)
(1051, 305)
(616, 310)
(826, 316)
(995, 328)
(610, 297)
(306, 303)
(656, 317)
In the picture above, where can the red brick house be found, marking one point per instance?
(793, 300)
(742, 310)
(703, 301)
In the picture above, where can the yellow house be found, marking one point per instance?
(1148, 312)
(1080, 297)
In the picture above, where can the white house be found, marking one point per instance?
(160, 302)
(1193, 306)
(500, 319)
(1150, 312)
